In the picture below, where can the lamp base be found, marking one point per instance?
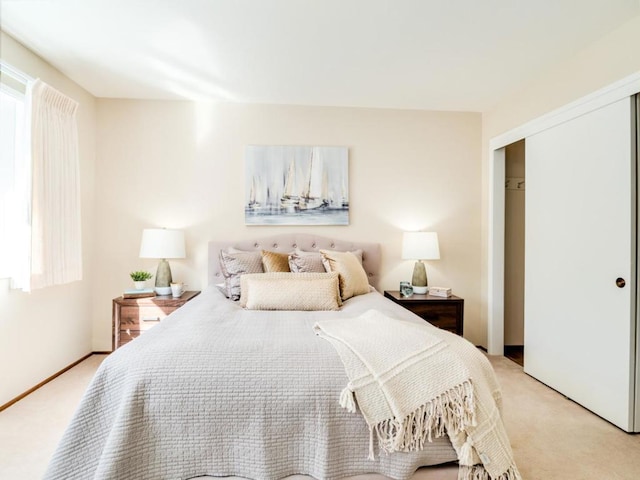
(419, 278)
(163, 278)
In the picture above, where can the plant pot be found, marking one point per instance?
(140, 284)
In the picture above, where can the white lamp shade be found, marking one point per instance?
(420, 246)
(162, 243)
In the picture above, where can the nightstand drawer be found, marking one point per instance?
(442, 316)
(446, 313)
(143, 317)
(127, 335)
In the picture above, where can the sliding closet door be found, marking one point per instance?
(580, 252)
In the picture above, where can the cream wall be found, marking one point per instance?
(46, 330)
(181, 165)
(611, 58)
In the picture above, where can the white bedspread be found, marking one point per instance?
(217, 390)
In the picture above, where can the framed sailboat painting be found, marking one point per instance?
(296, 185)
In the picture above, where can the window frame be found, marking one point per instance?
(14, 253)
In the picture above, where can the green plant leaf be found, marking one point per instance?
(140, 276)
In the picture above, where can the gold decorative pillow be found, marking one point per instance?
(275, 262)
(353, 278)
(291, 291)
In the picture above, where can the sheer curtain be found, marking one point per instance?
(56, 246)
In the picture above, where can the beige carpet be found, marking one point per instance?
(555, 438)
(552, 437)
(31, 428)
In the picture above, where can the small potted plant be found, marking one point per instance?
(139, 278)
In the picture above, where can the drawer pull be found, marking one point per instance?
(151, 319)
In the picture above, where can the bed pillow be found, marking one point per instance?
(353, 278)
(275, 262)
(291, 291)
(236, 263)
(306, 262)
(358, 254)
(301, 261)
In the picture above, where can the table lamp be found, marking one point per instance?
(162, 243)
(420, 246)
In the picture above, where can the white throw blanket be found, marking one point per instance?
(409, 385)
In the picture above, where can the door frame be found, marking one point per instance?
(625, 87)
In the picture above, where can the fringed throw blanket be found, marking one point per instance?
(410, 386)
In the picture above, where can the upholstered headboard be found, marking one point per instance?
(287, 243)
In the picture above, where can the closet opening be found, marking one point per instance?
(514, 241)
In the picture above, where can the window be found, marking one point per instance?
(14, 174)
(40, 231)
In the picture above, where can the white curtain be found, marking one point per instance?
(56, 246)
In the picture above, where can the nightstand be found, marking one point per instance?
(133, 316)
(446, 313)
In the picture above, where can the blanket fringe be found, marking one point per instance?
(450, 412)
(465, 455)
(348, 400)
(478, 472)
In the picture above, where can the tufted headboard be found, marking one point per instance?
(287, 243)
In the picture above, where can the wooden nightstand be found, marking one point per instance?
(446, 313)
(132, 316)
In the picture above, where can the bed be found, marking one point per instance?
(220, 390)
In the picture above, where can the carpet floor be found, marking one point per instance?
(555, 438)
(552, 437)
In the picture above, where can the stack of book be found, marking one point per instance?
(146, 292)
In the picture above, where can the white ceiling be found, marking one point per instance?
(419, 54)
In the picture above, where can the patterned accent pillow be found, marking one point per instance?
(306, 262)
(291, 291)
(236, 264)
(275, 262)
(353, 278)
(301, 261)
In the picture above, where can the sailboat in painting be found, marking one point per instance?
(290, 201)
(253, 204)
(344, 203)
(314, 195)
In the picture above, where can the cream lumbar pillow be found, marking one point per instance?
(290, 291)
(353, 278)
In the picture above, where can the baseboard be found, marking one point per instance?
(47, 380)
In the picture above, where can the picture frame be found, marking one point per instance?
(296, 185)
